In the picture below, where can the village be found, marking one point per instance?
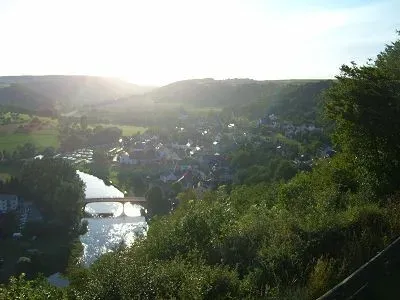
(197, 151)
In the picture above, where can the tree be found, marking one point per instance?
(365, 105)
(49, 152)
(138, 184)
(156, 204)
(84, 122)
(55, 187)
(106, 135)
(284, 170)
(177, 187)
(6, 155)
(28, 150)
(20, 288)
(8, 225)
(72, 142)
(100, 166)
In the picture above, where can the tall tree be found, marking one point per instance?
(156, 203)
(56, 188)
(365, 105)
(84, 122)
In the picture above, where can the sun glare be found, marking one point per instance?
(157, 41)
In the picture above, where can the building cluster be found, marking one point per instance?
(290, 130)
(8, 203)
(26, 211)
(190, 155)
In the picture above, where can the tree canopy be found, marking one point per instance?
(55, 187)
(290, 237)
(365, 105)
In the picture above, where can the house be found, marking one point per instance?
(125, 159)
(32, 212)
(270, 120)
(168, 177)
(187, 179)
(273, 117)
(146, 156)
(8, 203)
(221, 174)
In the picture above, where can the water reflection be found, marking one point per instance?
(95, 187)
(113, 207)
(104, 234)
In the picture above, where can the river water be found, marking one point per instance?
(104, 234)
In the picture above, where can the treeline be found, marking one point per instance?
(296, 102)
(54, 189)
(25, 151)
(285, 240)
(75, 135)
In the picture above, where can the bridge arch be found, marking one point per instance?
(133, 200)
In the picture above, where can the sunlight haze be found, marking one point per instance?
(158, 42)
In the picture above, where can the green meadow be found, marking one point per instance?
(127, 130)
(43, 138)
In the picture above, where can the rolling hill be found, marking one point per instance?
(48, 94)
(222, 93)
(62, 93)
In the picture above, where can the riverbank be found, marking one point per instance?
(47, 255)
(104, 234)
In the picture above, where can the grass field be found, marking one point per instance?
(44, 136)
(41, 139)
(127, 130)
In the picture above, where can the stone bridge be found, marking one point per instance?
(133, 200)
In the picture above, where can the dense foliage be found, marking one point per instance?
(365, 104)
(298, 102)
(74, 136)
(292, 239)
(54, 187)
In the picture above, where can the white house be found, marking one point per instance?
(8, 203)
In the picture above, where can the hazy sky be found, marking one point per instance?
(160, 41)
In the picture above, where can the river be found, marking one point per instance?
(104, 234)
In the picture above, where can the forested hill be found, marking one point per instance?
(222, 93)
(38, 93)
(298, 102)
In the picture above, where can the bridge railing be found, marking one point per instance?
(357, 285)
(125, 199)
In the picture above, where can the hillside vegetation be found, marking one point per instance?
(276, 239)
(219, 93)
(47, 94)
(293, 99)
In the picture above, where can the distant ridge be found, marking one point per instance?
(237, 91)
(62, 92)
